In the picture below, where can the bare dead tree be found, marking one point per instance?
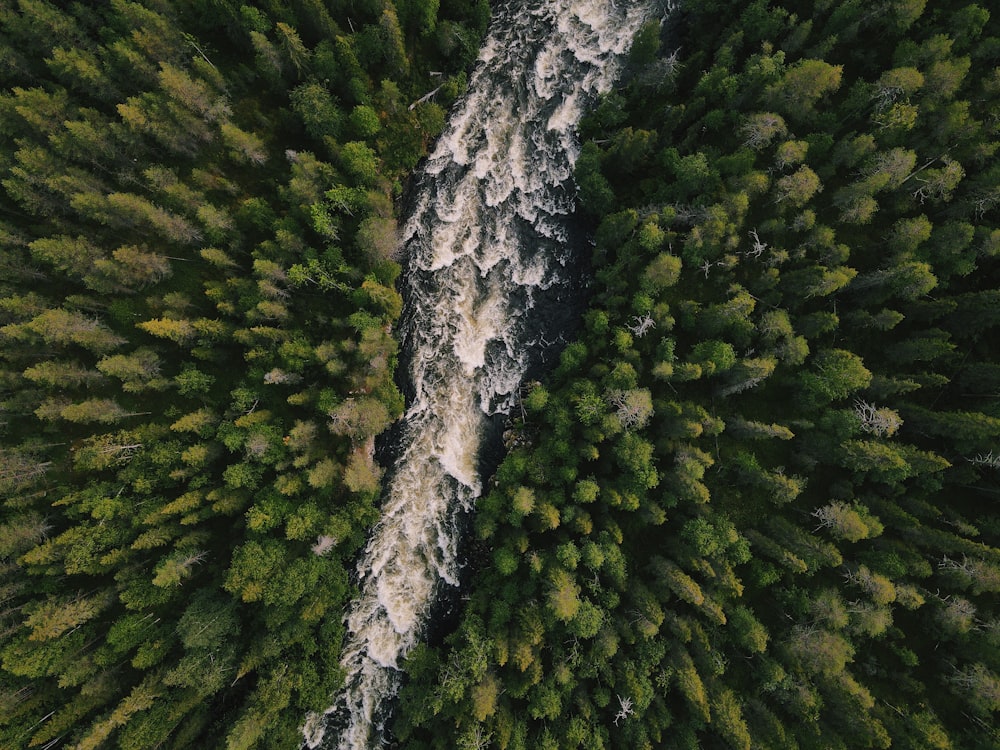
(827, 515)
(625, 709)
(761, 129)
(886, 96)
(940, 183)
(741, 386)
(632, 407)
(641, 325)
(323, 544)
(989, 460)
(883, 422)
(985, 202)
(758, 247)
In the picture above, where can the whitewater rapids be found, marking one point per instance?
(486, 248)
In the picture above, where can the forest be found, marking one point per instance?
(754, 505)
(197, 268)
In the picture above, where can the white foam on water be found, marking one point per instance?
(485, 238)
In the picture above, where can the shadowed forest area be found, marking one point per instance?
(755, 505)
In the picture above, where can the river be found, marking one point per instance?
(488, 267)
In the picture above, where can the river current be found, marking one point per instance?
(488, 262)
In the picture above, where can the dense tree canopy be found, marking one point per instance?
(197, 276)
(757, 504)
(754, 505)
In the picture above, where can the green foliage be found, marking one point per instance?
(185, 301)
(777, 530)
(705, 538)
